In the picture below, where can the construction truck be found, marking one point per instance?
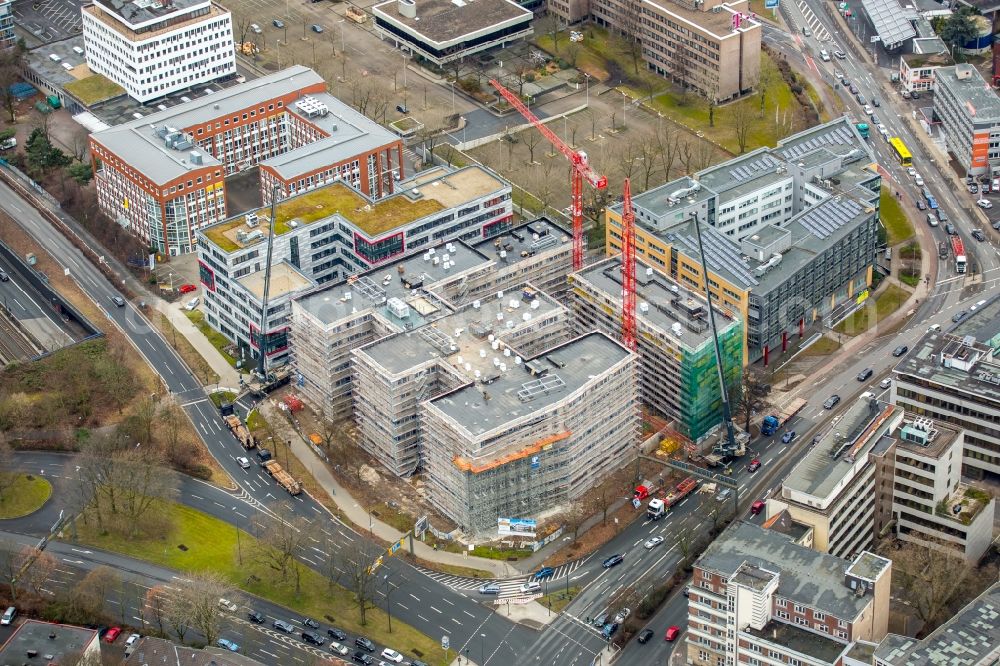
(240, 432)
(283, 478)
(770, 424)
(644, 490)
(683, 489)
(656, 509)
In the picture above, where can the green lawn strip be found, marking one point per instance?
(887, 302)
(822, 347)
(897, 225)
(27, 494)
(559, 599)
(217, 339)
(256, 421)
(220, 397)
(211, 545)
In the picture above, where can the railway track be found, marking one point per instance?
(15, 345)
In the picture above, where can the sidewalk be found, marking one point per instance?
(359, 516)
(229, 378)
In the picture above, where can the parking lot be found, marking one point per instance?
(49, 20)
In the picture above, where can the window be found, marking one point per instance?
(799, 609)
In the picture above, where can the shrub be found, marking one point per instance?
(529, 77)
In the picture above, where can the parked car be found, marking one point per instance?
(243, 462)
(226, 604)
(8, 616)
(788, 437)
(652, 543)
(544, 572)
(831, 402)
(281, 625)
(132, 640)
(402, 108)
(391, 655)
(227, 644)
(339, 634)
(187, 288)
(4, 277)
(255, 29)
(530, 586)
(317, 28)
(364, 644)
(900, 350)
(613, 561)
(112, 634)
(489, 588)
(996, 225)
(885, 383)
(255, 617)
(313, 638)
(278, 23)
(623, 615)
(672, 633)
(985, 204)
(985, 189)
(192, 304)
(339, 648)
(979, 235)
(687, 591)
(854, 89)
(645, 635)
(865, 374)
(754, 465)
(973, 189)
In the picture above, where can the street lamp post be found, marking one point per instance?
(388, 600)
(588, 88)
(343, 48)
(482, 649)
(239, 550)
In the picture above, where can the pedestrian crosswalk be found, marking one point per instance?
(508, 588)
(812, 22)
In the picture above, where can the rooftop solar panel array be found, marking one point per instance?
(890, 21)
(720, 253)
(839, 136)
(753, 169)
(824, 220)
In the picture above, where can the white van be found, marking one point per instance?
(824, 55)
(254, 28)
(8, 616)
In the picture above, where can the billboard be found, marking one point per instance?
(771, 4)
(516, 527)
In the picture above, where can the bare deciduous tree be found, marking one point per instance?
(154, 609)
(199, 596)
(278, 540)
(749, 396)
(11, 65)
(40, 571)
(667, 141)
(767, 78)
(928, 578)
(354, 563)
(95, 588)
(531, 138)
(649, 151)
(630, 18)
(742, 119)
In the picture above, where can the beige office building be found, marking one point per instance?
(708, 45)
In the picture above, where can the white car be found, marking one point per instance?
(337, 648)
(918, 180)
(868, 109)
(226, 604)
(623, 615)
(910, 171)
(983, 203)
(655, 541)
(392, 655)
(531, 586)
(244, 463)
(192, 304)
(132, 640)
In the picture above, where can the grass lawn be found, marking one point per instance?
(897, 225)
(218, 340)
(822, 347)
(220, 397)
(256, 421)
(588, 60)
(210, 545)
(93, 89)
(692, 111)
(559, 599)
(909, 279)
(887, 302)
(25, 495)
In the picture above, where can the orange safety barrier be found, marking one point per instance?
(532, 448)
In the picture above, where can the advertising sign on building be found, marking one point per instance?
(980, 149)
(516, 527)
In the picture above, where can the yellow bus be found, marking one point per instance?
(902, 152)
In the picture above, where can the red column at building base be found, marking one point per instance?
(802, 328)
(767, 351)
(784, 341)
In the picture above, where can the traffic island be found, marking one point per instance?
(22, 494)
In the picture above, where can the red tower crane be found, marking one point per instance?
(581, 169)
(628, 269)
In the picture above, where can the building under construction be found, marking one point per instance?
(539, 435)
(330, 322)
(677, 373)
(479, 344)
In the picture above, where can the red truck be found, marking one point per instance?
(644, 490)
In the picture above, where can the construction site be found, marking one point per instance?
(508, 372)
